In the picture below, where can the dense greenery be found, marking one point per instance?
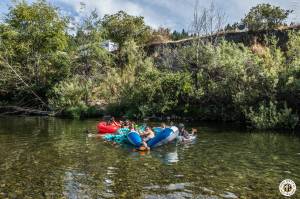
(33, 48)
(262, 17)
(121, 27)
(265, 16)
(44, 66)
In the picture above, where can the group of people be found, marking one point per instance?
(147, 134)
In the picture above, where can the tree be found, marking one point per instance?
(265, 16)
(177, 35)
(90, 56)
(33, 43)
(121, 27)
(184, 33)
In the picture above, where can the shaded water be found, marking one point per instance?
(44, 157)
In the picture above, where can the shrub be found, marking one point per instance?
(74, 111)
(160, 93)
(289, 84)
(229, 77)
(271, 117)
(70, 93)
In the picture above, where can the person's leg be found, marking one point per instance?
(146, 145)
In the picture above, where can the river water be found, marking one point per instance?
(43, 157)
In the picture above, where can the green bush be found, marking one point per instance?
(227, 78)
(82, 111)
(70, 93)
(271, 117)
(289, 84)
(74, 111)
(157, 92)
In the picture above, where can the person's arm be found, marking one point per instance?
(116, 123)
(146, 133)
(194, 131)
(142, 133)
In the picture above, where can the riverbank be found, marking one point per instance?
(100, 114)
(89, 112)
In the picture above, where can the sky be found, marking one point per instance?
(174, 14)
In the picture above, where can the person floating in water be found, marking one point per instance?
(184, 134)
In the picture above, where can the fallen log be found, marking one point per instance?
(15, 110)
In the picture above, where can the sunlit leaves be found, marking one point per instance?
(265, 17)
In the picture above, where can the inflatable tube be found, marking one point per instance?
(127, 130)
(164, 137)
(123, 130)
(135, 139)
(103, 128)
(117, 138)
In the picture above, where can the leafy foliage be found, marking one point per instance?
(265, 16)
(289, 82)
(90, 57)
(33, 45)
(121, 27)
(269, 117)
(229, 78)
(71, 92)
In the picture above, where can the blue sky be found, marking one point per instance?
(175, 14)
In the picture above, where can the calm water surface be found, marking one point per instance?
(44, 157)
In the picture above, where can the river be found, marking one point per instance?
(43, 157)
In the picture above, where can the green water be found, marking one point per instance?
(53, 158)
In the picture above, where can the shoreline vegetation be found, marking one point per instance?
(52, 65)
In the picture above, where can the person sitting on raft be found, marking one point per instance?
(147, 135)
(144, 145)
(126, 124)
(112, 121)
(184, 133)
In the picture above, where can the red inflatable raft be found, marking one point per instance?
(104, 128)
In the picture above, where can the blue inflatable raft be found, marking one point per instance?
(165, 136)
(135, 139)
(162, 137)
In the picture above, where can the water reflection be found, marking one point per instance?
(171, 157)
(166, 154)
